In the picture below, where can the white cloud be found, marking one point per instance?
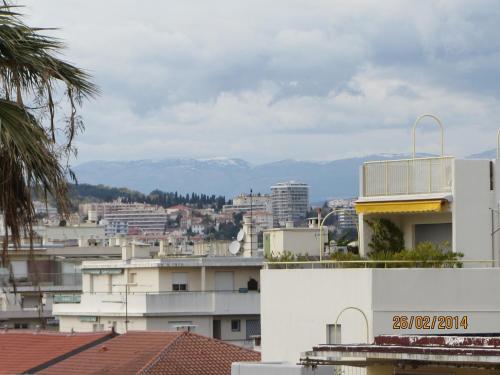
(284, 79)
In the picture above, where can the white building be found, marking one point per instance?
(136, 219)
(246, 203)
(430, 199)
(214, 296)
(434, 199)
(295, 241)
(290, 202)
(75, 235)
(347, 219)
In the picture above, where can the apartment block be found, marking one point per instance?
(213, 296)
(290, 202)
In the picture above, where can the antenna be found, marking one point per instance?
(251, 219)
(240, 236)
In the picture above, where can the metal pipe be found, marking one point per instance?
(414, 132)
(364, 316)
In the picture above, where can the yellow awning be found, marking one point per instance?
(431, 205)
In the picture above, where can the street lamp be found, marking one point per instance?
(335, 210)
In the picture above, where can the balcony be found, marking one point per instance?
(160, 304)
(44, 281)
(407, 176)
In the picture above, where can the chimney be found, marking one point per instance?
(162, 252)
(319, 217)
(126, 251)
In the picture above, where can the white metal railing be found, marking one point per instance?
(407, 176)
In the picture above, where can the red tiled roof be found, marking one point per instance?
(193, 354)
(21, 351)
(147, 352)
(125, 354)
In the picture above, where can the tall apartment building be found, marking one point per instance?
(347, 218)
(290, 201)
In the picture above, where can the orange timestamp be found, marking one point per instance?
(430, 322)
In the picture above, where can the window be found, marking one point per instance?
(333, 334)
(132, 278)
(179, 281)
(235, 325)
(21, 326)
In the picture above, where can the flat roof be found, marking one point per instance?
(223, 261)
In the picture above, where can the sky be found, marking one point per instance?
(272, 80)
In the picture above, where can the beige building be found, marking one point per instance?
(297, 241)
(213, 296)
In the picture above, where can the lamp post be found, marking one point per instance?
(321, 230)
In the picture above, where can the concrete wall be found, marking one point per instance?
(69, 323)
(297, 241)
(297, 305)
(436, 292)
(259, 368)
(471, 208)
(203, 324)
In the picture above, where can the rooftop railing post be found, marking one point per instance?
(414, 132)
(386, 178)
(430, 175)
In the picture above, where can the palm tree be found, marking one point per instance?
(39, 97)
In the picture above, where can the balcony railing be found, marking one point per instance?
(163, 303)
(42, 279)
(407, 176)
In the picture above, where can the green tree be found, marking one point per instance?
(386, 236)
(36, 138)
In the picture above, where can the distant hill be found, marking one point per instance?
(82, 193)
(228, 177)
(488, 154)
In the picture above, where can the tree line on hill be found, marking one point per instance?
(83, 193)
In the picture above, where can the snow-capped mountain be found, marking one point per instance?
(229, 177)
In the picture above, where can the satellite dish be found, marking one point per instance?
(241, 235)
(234, 247)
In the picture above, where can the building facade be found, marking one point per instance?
(438, 199)
(246, 203)
(213, 296)
(290, 202)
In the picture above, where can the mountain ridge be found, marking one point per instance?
(232, 176)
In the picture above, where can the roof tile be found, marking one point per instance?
(21, 351)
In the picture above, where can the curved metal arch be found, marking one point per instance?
(362, 313)
(438, 121)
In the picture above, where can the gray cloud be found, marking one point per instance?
(283, 79)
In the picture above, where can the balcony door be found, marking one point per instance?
(224, 281)
(216, 329)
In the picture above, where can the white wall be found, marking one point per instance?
(436, 292)
(296, 306)
(296, 241)
(471, 208)
(259, 368)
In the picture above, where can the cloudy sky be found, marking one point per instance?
(270, 80)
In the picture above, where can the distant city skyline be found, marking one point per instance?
(321, 81)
